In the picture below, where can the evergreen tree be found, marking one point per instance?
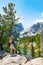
(7, 21)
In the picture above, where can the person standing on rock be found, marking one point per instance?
(11, 44)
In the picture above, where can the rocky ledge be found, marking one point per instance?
(20, 60)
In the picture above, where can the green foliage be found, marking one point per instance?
(7, 21)
(32, 43)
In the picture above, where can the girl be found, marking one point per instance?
(11, 44)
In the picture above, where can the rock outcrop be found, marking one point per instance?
(16, 59)
(13, 60)
(36, 61)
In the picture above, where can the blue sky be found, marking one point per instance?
(29, 11)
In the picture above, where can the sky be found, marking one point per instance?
(29, 11)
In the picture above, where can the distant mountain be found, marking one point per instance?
(17, 29)
(34, 29)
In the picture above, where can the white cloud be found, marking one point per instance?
(39, 20)
(41, 14)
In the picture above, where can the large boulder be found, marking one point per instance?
(13, 60)
(3, 54)
(16, 59)
(36, 61)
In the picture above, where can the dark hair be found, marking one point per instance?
(11, 35)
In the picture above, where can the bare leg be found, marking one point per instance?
(14, 49)
(11, 50)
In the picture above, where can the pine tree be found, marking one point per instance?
(7, 21)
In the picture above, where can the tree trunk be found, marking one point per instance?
(1, 45)
(11, 28)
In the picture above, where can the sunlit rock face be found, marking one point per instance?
(34, 29)
(36, 61)
(13, 60)
(20, 60)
